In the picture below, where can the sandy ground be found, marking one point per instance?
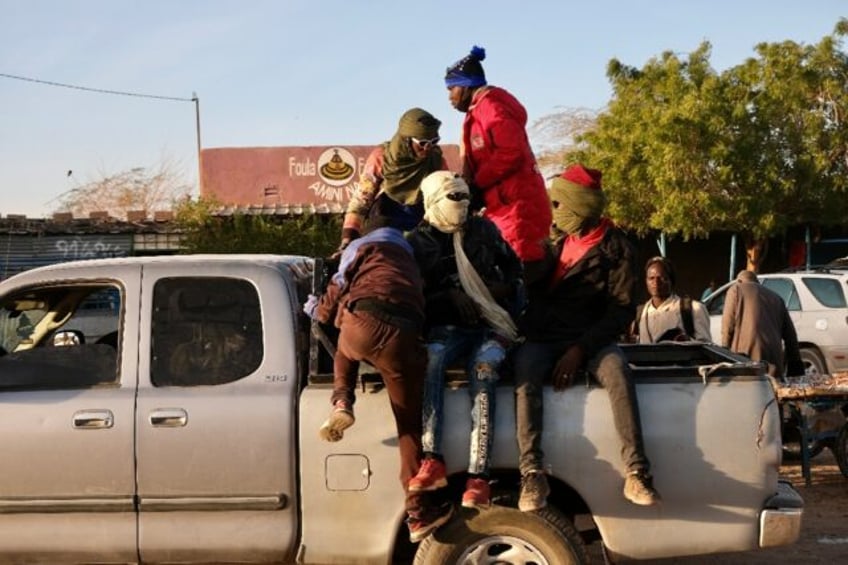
(824, 531)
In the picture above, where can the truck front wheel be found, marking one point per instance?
(504, 535)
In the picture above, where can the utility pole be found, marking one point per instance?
(196, 101)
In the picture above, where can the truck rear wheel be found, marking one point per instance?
(504, 535)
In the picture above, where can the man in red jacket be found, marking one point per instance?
(498, 163)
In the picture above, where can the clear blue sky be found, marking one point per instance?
(316, 72)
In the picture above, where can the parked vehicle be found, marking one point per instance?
(816, 300)
(192, 437)
(817, 304)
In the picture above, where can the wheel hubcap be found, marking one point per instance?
(497, 550)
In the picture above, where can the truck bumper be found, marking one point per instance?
(780, 520)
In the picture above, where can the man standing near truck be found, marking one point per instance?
(574, 319)
(756, 323)
(377, 303)
(666, 316)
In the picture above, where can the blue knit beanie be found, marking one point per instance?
(467, 71)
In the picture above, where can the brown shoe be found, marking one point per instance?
(428, 521)
(341, 418)
(639, 489)
(534, 492)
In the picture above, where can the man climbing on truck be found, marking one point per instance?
(376, 301)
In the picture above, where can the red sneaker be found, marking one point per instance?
(431, 476)
(477, 493)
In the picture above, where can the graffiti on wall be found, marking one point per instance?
(24, 252)
(74, 248)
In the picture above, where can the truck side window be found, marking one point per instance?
(47, 342)
(205, 331)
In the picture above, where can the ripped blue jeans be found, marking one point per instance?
(485, 351)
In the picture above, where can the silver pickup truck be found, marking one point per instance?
(189, 435)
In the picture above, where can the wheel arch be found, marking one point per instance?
(506, 484)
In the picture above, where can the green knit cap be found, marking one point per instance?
(418, 123)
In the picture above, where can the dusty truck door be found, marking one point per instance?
(67, 395)
(216, 465)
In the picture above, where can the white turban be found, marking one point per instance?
(441, 211)
(448, 215)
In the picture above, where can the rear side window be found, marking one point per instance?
(827, 291)
(786, 289)
(206, 331)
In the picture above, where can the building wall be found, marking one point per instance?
(271, 176)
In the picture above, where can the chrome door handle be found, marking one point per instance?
(168, 418)
(93, 419)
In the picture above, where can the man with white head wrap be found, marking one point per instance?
(472, 287)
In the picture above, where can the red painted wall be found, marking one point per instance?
(266, 176)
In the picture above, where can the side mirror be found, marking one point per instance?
(66, 338)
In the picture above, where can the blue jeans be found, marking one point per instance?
(534, 362)
(445, 345)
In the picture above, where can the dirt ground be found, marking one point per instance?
(824, 530)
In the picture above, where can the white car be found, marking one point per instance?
(816, 300)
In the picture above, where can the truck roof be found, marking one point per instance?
(300, 266)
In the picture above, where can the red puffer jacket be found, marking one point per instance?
(499, 160)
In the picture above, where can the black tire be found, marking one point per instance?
(840, 450)
(530, 537)
(814, 365)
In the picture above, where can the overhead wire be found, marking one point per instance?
(100, 90)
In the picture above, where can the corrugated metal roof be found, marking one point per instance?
(282, 209)
(162, 222)
(50, 226)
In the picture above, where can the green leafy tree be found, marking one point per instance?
(758, 148)
(205, 231)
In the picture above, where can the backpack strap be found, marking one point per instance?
(634, 326)
(686, 316)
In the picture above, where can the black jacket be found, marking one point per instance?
(593, 304)
(492, 258)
